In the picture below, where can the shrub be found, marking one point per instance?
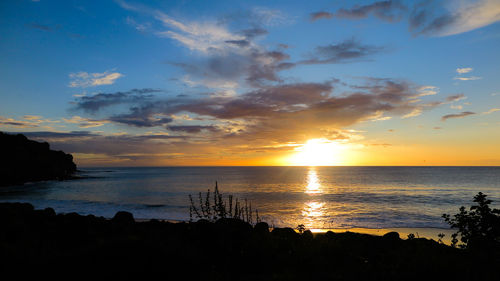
(478, 228)
(213, 207)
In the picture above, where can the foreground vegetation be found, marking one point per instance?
(40, 243)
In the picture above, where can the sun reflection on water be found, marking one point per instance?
(313, 185)
(313, 210)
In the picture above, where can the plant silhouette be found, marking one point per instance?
(212, 207)
(479, 228)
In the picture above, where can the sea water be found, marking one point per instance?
(318, 197)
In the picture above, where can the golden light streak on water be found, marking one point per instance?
(313, 184)
(314, 209)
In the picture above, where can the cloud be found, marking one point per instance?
(40, 27)
(464, 70)
(141, 27)
(389, 11)
(385, 10)
(457, 18)
(84, 79)
(456, 106)
(426, 91)
(254, 67)
(10, 122)
(253, 32)
(98, 101)
(240, 43)
(414, 113)
(461, 71)
(30, 121)
(143, 116)
(307, 109)
(85, 122)
(467, 78)
(491, 111)
(459, 115)
(348, 50)
(320, 15)
(59, 135)
(433, 18)
(454, 98)
(270, 17)
(192, 128)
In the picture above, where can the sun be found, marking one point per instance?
(317, 152)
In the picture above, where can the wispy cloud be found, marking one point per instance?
(85, 122)
(141, 27)
(320, 15)
(271, 17)
(11, 122)
(461, 71)
(414, 113)
(433, 18)
(27, 121)
(226, 57)
(426, 91)
(491, 111)
(455, 19)
(84, 79)
(471, 78)
(454, 98)
(384, 10)
(348, 50)
(464, 70)
(459, 115)
(98, 101)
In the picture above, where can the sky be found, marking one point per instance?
(202, 83)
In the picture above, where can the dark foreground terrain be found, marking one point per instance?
(23, 160)
(40, 243)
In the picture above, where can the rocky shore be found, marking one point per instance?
(41, 243)
(23, 160)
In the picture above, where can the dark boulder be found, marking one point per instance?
(392, 236)
(122, 217)
(285, 233)
(261, 227)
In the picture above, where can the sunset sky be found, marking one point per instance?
(125, 83)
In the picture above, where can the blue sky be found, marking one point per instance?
(249, 83)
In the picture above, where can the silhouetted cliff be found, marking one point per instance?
(24, 160)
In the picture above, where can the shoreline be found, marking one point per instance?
(58, 245)
(419, 232)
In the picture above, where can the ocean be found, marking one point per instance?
(318, 197)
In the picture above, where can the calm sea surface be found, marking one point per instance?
(318, 197)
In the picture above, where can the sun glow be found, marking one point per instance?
(317, 152)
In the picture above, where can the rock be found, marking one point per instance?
(307, 235)
(286, 232)
(49, 212)
(393, 236)
(25, 160)
(233, 227)
(123, 217)
(261, 227)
